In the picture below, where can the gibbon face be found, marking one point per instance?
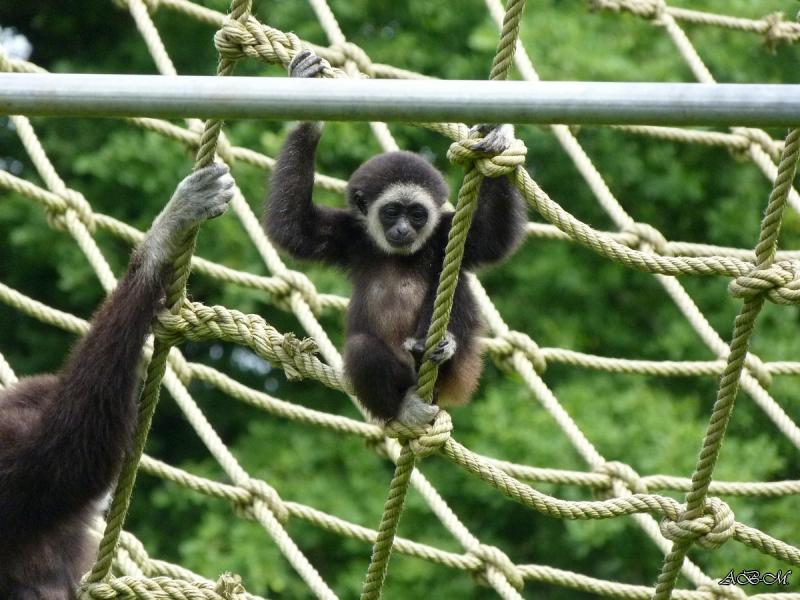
(398, 196)
(402, 218)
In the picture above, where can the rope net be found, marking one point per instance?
(125, 570)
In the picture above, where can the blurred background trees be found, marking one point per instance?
(561, 295)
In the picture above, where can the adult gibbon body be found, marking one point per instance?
(63, 436)
(392, 241)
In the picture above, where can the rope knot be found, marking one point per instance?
(712, 529)
(232, 39)
(261, 491)
(423, 441)
(464, 152)
(505, 344)
(170, 327)
(780, 281)
(648, 235)
(774, 31)
(289, 347)
(300, 283)
(761, 138)
(237, 39)
(624, 473)
(493, 557)
(230, 587)
(354, 53)
(73, 201)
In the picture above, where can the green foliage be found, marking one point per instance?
(560, 294)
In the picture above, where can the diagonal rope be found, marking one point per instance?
(72, 216)
(494, 474)
(762, 147)
(336, 38)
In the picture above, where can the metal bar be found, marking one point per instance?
(392, 100)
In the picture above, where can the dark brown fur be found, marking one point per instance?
(393, 294)
(63, 436)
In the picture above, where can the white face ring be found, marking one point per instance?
(398, 192)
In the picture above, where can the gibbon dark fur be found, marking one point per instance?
(391, 242)
(63, 436)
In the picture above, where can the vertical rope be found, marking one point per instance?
(240, 10)
(729, 382)
(392, 509)
(504, 57)
(448, 280)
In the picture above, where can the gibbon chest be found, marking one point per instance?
(393, 302)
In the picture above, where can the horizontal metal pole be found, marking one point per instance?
(283, 98)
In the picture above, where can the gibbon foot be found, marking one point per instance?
(414, 411)
(444, 350)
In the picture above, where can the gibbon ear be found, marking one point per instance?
(361, 204)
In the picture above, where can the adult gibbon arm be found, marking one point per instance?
(63, 436)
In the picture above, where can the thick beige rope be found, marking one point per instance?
(774, 29)
(483, 467)
(755, 294)
(158, 363)
(509, 342)
(445, 293)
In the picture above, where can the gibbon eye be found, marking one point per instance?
(391, 210)
(419, 214)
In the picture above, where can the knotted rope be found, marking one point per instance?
(648, 9)
(463, 153)
(423, 441)
(711, 530)
(624, 473)
(779, 282)
(73, 218)
(197, 322)
(74, 201)
(161, 588)
(298, 283)
(262, 491)
(729, 382)
(492, 557)
(506, 344)
(648, 235)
